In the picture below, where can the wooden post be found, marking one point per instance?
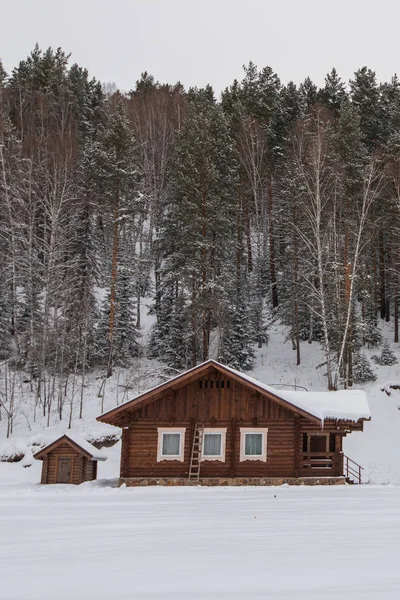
(297, 440)
(45, 467)
(124, 467)
(338, 466)
(71, 477)
(233, 448)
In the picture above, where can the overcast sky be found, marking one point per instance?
(207, 41)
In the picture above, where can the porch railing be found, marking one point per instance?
(318, 461)
(331, 461)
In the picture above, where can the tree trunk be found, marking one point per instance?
(382, 276)
(272, 257)
(113, 294)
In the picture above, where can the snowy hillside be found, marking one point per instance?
(377, 449)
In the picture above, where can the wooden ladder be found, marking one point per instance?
(195, 459)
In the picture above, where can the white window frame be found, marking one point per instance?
(222, 432)
(243, 431)
(179, 457)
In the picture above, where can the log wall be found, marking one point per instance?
(218, 402)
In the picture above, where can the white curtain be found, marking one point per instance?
(253, 444)
(212, 444)
(171, 443)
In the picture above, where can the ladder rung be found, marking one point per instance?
(195, 459)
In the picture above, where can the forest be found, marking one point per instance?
(274, 202)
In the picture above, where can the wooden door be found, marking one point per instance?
(64, 469)
(319, 443)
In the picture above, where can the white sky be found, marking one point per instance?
(207, 41)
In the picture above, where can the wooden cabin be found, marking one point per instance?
(216, 426)
(69, 459)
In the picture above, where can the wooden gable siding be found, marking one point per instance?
(196, 401)
(79, 464)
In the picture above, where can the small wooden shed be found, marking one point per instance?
(69, 459)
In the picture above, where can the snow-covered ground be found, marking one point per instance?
(96, 542)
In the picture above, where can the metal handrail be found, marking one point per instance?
(349, 470)
(353, 461)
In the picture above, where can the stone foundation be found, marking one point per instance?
(224, 481)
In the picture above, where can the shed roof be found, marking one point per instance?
(343, 405)
(87, 448)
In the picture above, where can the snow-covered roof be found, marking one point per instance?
(82, 443)
(89, 448)
(346, 405)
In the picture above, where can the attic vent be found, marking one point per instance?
(210, 383)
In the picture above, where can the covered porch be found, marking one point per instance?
(322, 456)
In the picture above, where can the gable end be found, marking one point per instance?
(63, 439)
(203, 373)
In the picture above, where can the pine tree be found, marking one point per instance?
(177, 348)
(390, 108)
(365, 95)
(387, 357)
(125, 344)
(196, 237)
(116, 177)
(159, 333)
(237, 348)
(333, 94)
(308, 93)
(362, 371)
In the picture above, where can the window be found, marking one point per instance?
(212, 444)
(253, 444)
(171, 443)
(214, 441)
